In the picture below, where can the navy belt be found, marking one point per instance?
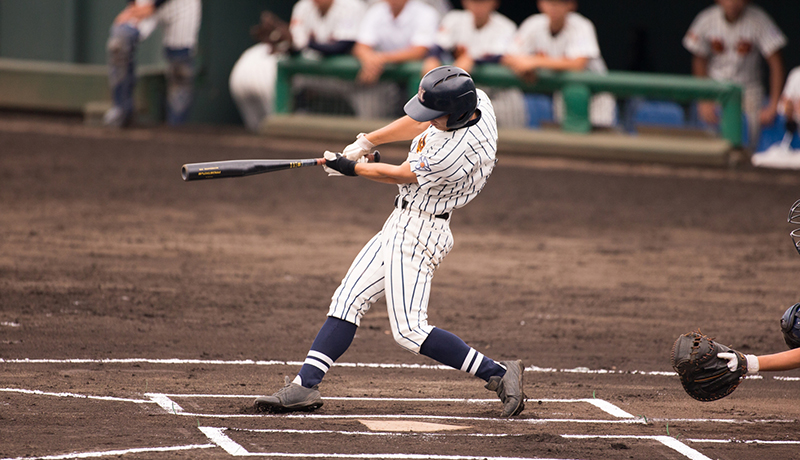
(403, 204)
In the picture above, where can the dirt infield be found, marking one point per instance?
(139, 315)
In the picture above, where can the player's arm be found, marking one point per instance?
(402, 129)
(522, 64)
(776, 76)
(134, 12)
(780, 361)
(707, 110)
(386, 173)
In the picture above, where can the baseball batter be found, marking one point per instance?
(180, 20)
(561, 39)
(476, 35)
(726, 41)
(318, 28)
(452, 154)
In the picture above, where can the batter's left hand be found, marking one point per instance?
(336, 164)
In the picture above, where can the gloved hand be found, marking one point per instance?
(359, 148)
(337, 164)
(733, 362)
(374, 157)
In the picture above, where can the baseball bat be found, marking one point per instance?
(240, 168)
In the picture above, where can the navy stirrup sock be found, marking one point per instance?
(333, 339)
(449, 349)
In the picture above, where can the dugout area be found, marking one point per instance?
(139, 314)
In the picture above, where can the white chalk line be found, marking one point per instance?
(741, 441)
(74, 395)
(379, 433)
(218, 436)
(116, 453)
(250, 362)
(668, 441)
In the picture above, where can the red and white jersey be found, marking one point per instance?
(340, 23)
(578, 39)
(493, 39)
(416, 25)
(733, 49)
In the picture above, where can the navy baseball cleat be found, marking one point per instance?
(509, 388)
(292, 397)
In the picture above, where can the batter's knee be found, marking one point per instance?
(408, 339)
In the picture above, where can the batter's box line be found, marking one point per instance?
(117, 453)
(167, 403)
(217, 435)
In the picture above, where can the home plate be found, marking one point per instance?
(405, 425)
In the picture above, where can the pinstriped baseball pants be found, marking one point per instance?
(397, 263)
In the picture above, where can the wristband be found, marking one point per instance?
(363, 143)
(752, 364)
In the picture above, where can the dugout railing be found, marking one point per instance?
(577, 88)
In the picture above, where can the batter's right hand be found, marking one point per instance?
(359, 148)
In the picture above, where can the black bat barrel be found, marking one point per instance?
(239, 168)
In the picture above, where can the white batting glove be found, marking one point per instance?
(331, 172)
(359, 148)
(733, 362)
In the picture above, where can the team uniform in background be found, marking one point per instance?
(791, 92)
(442, 6)
(457, 28)
(733, 52)
(416, 25)
(399, 262)
(578, 39)
(252, 79)
(180, 20)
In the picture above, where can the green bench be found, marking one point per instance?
(577, 88)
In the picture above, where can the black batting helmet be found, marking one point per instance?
(790, 326)
(445, 90)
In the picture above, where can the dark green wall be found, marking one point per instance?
(642, 35)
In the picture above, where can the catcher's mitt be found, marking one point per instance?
(704, 376)
(273, 31)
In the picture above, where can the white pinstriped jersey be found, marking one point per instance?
(578, 39)
(452, 166)
(415, 26)
(733, 49)
(180, 20)
(493, 39)
(340, 23)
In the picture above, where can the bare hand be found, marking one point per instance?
(134, 13)
(707, 111)
(767, 115)
(371, 67)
